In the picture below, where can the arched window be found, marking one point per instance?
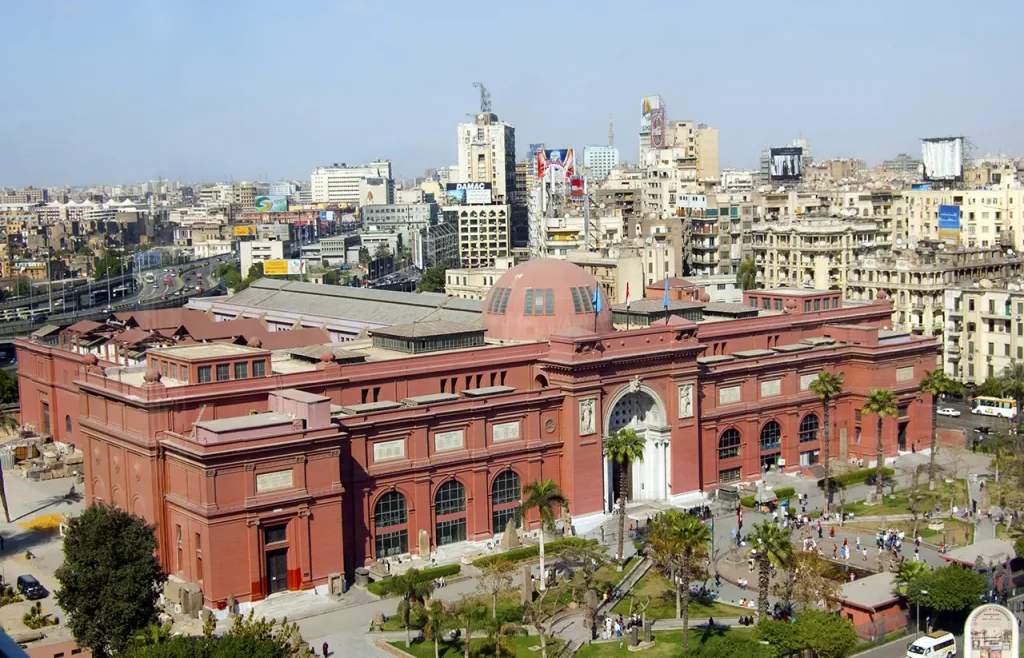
(771, 435)
(506, 493)
(67, 426)
(809, 429)
(729, 444)
(450, 513)
(391, 512)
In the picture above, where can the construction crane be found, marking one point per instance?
(485, 97)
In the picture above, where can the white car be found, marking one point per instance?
(947, 411)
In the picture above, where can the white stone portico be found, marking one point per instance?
(638, 406)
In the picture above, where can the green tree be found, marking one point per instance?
(746, 274)
(22, 287)
(382, 251)
(827, 635)
(624, 449)
(153, 633)
(8, 388)
(882, 402)
(936, 383)
(411, 589)
(433, 280)
(991, 387)
(780, 636)
(827, 387)
(248, 636)
(495, 578)
(951, 590)
(731, 645)
(544, 497)
(501, 634)
(364, 256)
(255, 272)
(110, 580)
(470, 612)
(108, 265)
(772, 546)
(1018, 546)
(685, 537)
(436, 623)
(1012, 381)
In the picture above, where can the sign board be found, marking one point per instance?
(943, 158)
(449, 440)
(244, 231)
(326, 215)
(577, 188)
(561, 163)
(274, 480)
(991, 632)
(283, 267)
(460, 194)
(648, 106)
(786, 164)
(949, 224)
(658, 128)
(271, 203)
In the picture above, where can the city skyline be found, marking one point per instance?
(181, 90)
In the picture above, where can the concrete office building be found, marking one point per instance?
(412, 216)
(988, 217)
(340, 183)
(257, 251)
(475, 283)
(484, 233)
(599, 160)
(984, 329)
(436, 245)
(487, 154)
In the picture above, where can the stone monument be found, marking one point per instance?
(424, 544)
(526, 585)
(510, 538)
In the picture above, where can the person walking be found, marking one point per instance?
(326, 649)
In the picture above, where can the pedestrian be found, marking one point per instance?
(865, 549)
(832, 532)
(819, 531)
(326, 649)
(1, 542)
(858, 542)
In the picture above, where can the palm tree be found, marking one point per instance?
(746, 274)
(544, 497)
(881, 402)
(500, 632)
(153, 634)
(8, 423)
(624, 448)
(469, 612)
(410, 587)
(684, 539)
(827, 387)
(909, 571)
(1012, 380)
(773, 547)
(438, 620)
(937, 383)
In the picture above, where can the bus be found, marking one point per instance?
(988, 406)
(149, 278)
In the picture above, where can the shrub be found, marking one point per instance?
(427, 574)
(782, 493)
(530, 552)
(857, 477)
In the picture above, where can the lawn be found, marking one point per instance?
(956, 533)
(666, 645)
(663, 601)
(525, 646)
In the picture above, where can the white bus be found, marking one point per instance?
(940, 644)
(988, 406)
(149, 278)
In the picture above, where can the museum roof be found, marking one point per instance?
(655, 304)
(207, 351)
(427, 329)
(992, 550)
(244, 422)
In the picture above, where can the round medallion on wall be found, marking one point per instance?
(549, 425)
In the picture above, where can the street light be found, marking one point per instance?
(923, 592)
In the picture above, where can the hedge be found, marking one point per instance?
(782, 493)
(857, 477)
(528, 552)
(427, 574)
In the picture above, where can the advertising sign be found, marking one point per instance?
(648, 104)
(271, 203)
(244, 230)
(692, 201)
(326, 215)
(949, 224)
(561, 163)
(943, 158)
(991, 632)
(460, 194)
(786, 164)
(29, 264)
(283, 267)
(658, 128)
(577, 188)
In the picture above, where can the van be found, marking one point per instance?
(938, 644)
(31, 588)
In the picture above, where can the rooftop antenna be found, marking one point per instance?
(611, 132)
(485, 97)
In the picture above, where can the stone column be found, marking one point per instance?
(658, 438)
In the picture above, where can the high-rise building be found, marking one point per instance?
(487, 154)
(599, 160)
(340, 183)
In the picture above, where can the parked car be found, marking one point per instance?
(31, 588)
(982, 429)
(948, 411)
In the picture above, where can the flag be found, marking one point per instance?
(666, 293)
(596, 301)
(627, 294)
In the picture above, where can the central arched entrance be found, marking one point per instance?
(638, 407)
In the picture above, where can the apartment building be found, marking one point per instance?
(916, 280)
(411, 216)
(483, 232)
(475, 283)
(812, 252)
(637, 265)
(988, 217)
(985, 331)
(487, 154)
(258, 251)
(599, 160)
(564, 234)
(717, 238)
(339, 183)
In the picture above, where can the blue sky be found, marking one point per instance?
(105, 92)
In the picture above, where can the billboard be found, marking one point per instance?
(283, 267)
(785, 164)
(991, 632)
(648, 104)
(949, 224)
(460, 194)
(943, 158)
(692, 201)
(658, 128)
(326, 215)
(577, 188)
(271, 203)
(245, 230)
(560, 162)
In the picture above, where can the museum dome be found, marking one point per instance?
(538, 298)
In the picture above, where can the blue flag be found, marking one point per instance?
(666, 293)
(596, 300)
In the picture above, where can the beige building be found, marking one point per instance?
(718, 238)
(565, 234)
(988, 217)
(812, 252)
(487, 154)
(639, 265)
(340, 183)
(473, 283)
(483, 233)
(985, 330)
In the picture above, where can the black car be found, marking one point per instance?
(982, 429)
(31, 588)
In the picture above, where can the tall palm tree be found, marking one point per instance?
(827, 387)
(746, 274)
(882, 402)
(937, 383)
(501, 632)
(438, 620)
(8, 423)
(773, 547)
(624, 448)
(411, 588)
(469, 612)
(1012, 381)
(683, 539)
(544, 497)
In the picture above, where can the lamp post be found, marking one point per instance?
(923, 592)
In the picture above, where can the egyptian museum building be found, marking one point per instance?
(269, 469)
